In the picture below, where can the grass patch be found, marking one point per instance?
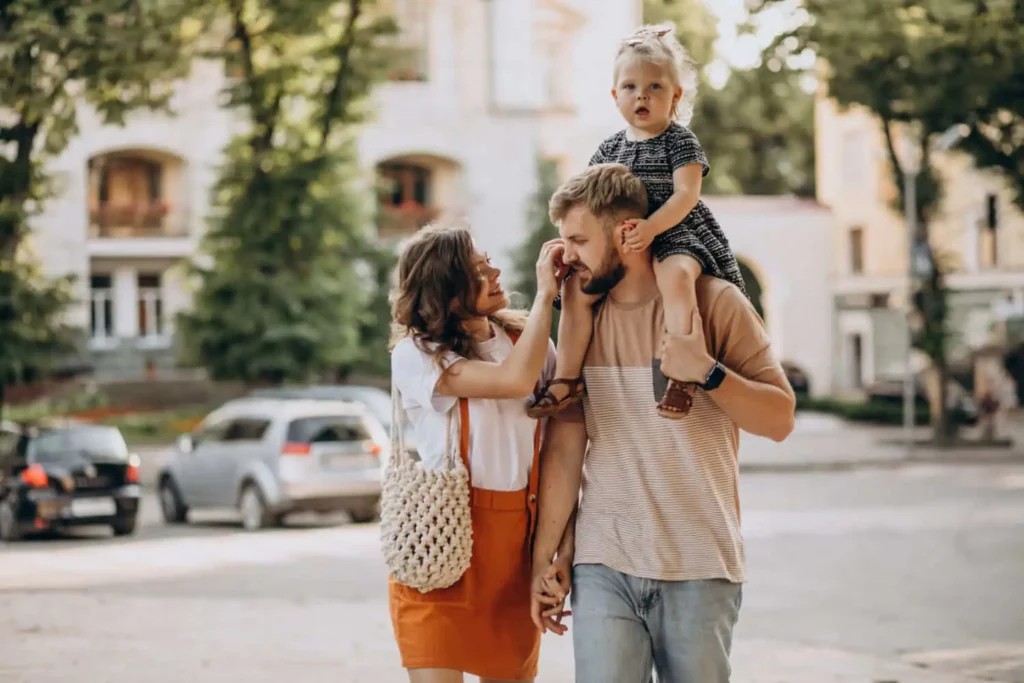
(157, 427)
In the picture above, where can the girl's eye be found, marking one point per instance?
(656, 86)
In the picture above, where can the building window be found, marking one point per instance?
(857, 250)
(406, 202)
(409, 58)
(988, 243)
(101, 308)
(151, 307)
(126, 197)
(857, 360)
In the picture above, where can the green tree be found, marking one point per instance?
(280, 294)
(113, 56)
(757, 130)
(524, 260)
(920, 67)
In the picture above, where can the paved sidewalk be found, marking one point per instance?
(822, 442)
(58, 637)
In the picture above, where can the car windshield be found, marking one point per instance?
(77, 443)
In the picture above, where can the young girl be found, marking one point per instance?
(655, 85)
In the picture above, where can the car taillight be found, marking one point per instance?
(375, 448)
(131, 475)
(35, 476)
(296, 449)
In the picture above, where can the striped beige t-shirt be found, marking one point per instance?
(660, 498)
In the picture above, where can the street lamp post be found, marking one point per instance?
(918, 262)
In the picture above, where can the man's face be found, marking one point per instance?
(591, 251)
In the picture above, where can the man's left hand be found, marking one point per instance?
(685, 358)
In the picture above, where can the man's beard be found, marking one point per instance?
(609, 274)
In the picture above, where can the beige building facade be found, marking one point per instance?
(484, 89)
(976, 232)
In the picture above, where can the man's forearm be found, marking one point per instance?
(560, 472)
(567, 546)
(760, 408)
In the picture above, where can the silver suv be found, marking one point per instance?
(272, 457)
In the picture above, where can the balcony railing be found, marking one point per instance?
(132, 220)
(405, 218)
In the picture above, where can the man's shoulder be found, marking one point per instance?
(714, 292)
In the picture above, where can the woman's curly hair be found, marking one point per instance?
(436, 293)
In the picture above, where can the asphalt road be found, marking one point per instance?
(850, 573)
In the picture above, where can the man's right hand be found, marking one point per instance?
(550, 586)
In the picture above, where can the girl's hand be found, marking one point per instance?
(640, 236)
(550, 269)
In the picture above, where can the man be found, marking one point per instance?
(659, 559)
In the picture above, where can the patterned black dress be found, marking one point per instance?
(653, 161)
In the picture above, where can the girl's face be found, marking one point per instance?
(645, 95)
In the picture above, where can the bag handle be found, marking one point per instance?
(398, 450)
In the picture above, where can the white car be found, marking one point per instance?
(272, 457)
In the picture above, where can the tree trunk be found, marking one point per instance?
(944, 429)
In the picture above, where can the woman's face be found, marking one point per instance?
(490, 296)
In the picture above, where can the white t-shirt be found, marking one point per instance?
(500, 432)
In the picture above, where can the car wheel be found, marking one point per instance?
(9, 531)
(171, 505)
(255, 515)
(365, 515)
(124, 526)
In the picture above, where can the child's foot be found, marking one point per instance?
(678, 400)
(558, 395)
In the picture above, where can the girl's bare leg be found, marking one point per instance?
(575, 328)
(677, 280)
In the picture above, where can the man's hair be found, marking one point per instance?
(609, 191)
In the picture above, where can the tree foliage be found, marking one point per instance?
(281, 294)
(524, 260)
(758, 132)
(922, 66)
(757, 129)
(57, 57)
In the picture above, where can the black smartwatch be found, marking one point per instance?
(714, 377)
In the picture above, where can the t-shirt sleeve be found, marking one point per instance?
(684, 149)
(416, 374)
(739, 339)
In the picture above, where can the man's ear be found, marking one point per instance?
(619, 236)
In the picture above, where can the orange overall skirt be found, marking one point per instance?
(481, 625)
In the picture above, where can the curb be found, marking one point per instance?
(947, 458)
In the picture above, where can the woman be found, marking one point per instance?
(456, 346)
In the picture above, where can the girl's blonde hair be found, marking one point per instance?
(657, 44)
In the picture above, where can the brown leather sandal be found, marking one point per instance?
(675, 404)
(547, 405)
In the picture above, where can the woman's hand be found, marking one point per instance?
(550, 270)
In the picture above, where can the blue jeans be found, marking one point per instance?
(625, 628)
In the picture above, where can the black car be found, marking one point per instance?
(57, 477)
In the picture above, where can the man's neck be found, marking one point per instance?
(637, 285)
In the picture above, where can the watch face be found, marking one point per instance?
(715, 377)
(660, 380)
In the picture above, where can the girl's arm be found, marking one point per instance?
(686, 181)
